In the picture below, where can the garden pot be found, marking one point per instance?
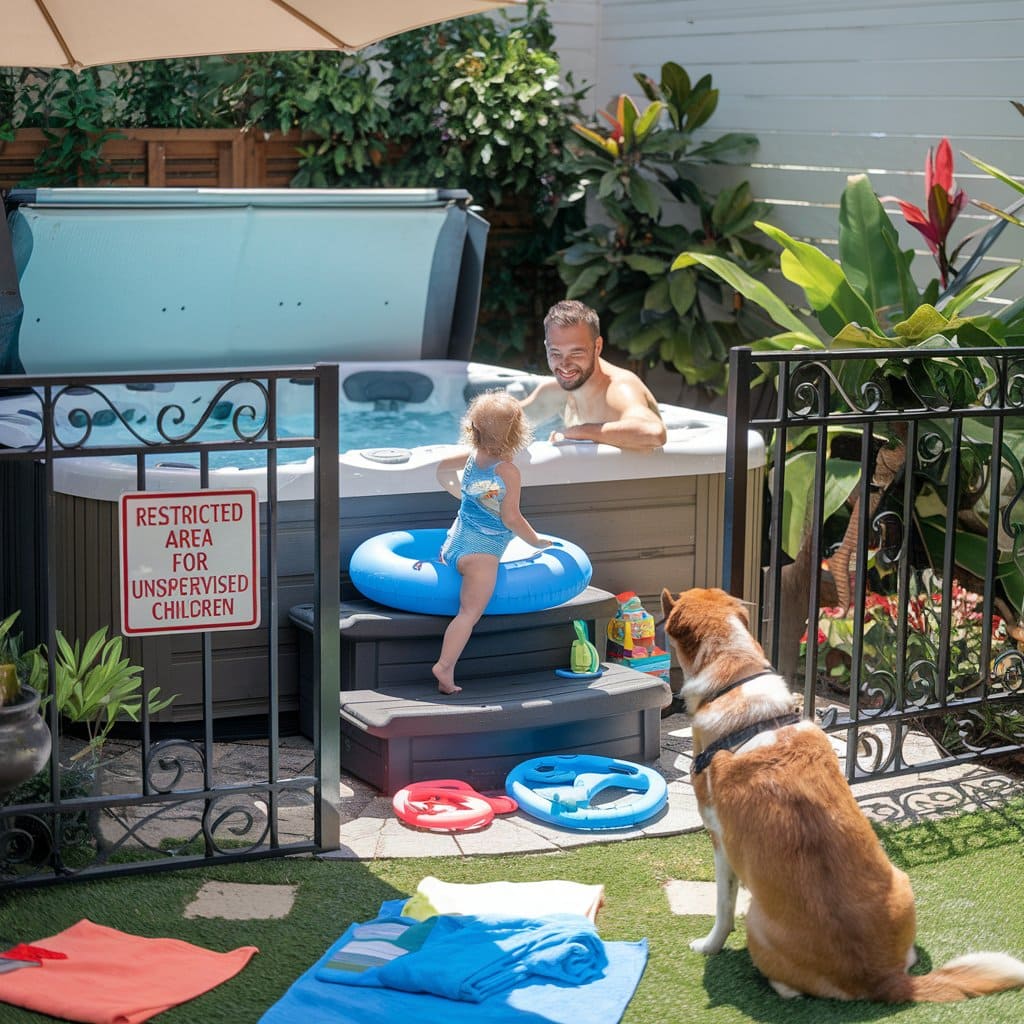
(24, 740)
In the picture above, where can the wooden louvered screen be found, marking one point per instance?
(161, 157)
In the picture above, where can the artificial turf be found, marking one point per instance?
(967, 871)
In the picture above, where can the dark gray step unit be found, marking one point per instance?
(383, 647)
(396, 728)
(402, 734)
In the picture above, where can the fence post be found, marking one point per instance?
(735, 529)
(326, 638)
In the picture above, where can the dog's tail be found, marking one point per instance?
(977, 974)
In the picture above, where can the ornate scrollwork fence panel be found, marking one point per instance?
(155, 793)
(893, 584)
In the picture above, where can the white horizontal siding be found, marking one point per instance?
(833, 89)
(578, 26)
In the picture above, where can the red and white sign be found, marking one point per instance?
(189, 561)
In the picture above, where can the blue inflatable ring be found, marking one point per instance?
(560, 788)
(402, 570)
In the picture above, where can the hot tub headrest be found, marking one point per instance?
(388, 386)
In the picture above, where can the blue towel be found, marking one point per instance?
(538, 1000)
(467, 957)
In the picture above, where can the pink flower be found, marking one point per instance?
(943, 205)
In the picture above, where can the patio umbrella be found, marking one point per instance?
(81, 33)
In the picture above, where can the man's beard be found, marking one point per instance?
(586, 372)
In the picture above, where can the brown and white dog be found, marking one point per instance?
(829, 914)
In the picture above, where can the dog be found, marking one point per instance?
(829, 914)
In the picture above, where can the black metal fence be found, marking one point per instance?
(212, 776)
(893, 577)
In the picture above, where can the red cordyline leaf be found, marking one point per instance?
(943, 205)
(915, 217)
(615, 123)
(938, 168)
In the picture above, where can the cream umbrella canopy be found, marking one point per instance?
(81, 33)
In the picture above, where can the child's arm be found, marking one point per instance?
(510, 514)
(448, 473)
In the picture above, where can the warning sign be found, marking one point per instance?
(189, 561)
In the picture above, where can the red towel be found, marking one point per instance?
(113, 978)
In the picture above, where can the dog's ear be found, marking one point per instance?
(667, 602)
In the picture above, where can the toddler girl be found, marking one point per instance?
(495, 429)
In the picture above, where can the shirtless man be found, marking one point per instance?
(602, 402)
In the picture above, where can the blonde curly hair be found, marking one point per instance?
(495, 423)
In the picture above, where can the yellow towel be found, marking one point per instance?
(509, 899)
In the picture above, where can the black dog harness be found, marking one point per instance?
(735, 740)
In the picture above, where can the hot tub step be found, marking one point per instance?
(383, 647)
(402, 734)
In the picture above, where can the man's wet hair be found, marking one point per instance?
(569, 313)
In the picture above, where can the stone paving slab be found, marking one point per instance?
(699, 898)
(242, 902)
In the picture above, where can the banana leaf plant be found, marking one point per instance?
(868, 299)
(635, 165)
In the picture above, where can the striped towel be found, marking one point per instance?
(374, 944)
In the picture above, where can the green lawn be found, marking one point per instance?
(968, 874)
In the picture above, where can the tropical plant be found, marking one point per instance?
(95, 686)
(480, 103)
(868, 299)
(17, 665)
(77, 114)
(836, 636)
(10, 684)
(620, 263)
(942, 202)
(883, 662)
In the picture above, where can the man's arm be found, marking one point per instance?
(633, 423)
(545, 400)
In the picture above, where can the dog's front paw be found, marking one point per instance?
(709, 945)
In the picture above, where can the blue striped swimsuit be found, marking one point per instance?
(478, 528)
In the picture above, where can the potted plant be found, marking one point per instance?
(24, 737)
(95, 686)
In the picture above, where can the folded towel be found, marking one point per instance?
(513, 899)
(467, 958)
(110, 977)
(537, 1001)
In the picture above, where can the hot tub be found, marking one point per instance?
(647, 520)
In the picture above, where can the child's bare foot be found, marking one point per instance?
(445, 680)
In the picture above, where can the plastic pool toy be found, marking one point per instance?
(583, 656)
(560, 789)
(402, 570)
(448, 805)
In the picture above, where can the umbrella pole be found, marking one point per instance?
(11, 306)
